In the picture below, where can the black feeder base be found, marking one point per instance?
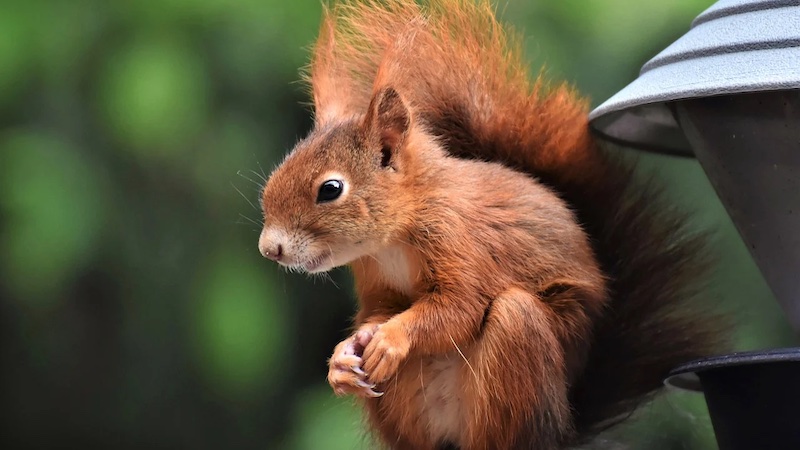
(753, 398)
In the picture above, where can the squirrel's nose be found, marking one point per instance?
(274, 253)
(270, 245)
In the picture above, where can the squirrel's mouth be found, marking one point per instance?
(315, 263)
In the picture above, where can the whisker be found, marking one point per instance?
(239, 222)
(250, 220)
(263, 174)
(330, 278)
(380, 263)
(252, 205)
(464, 357)
(422, 385)
(259, 176)
(260, 185)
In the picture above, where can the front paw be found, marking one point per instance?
(385, 352)
(345, 373)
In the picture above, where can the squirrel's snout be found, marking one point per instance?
(270, 245)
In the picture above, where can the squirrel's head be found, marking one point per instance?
(342, 192)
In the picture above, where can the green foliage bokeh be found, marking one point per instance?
(135, 310)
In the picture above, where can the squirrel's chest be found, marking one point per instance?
(427, 389)
(398, 268)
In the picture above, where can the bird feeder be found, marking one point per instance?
(728, 93)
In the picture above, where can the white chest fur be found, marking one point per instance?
(438, 399)
(396, 269)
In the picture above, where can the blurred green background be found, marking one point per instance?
(135, 310)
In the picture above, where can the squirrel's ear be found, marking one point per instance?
(390, 119)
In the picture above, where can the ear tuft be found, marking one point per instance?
(390, 119)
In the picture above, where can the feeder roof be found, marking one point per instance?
(735, 46)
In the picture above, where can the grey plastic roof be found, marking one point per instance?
(735, 46)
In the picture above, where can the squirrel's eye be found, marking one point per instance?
(330, 190)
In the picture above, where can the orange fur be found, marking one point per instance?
(494, 247)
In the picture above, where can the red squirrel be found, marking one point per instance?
(517, 289)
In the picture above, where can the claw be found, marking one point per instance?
(358, 371)
(370, 389)
(365, 385)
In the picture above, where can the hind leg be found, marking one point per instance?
(515, 386)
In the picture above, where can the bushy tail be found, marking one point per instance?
(462, 72)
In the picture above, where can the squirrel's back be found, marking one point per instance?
(463, 73)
